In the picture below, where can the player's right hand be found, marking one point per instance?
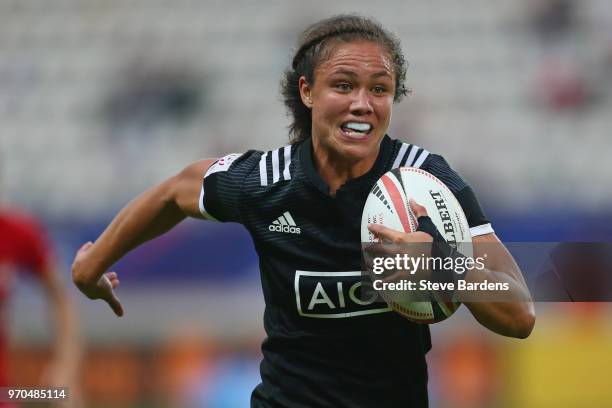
(103, 288)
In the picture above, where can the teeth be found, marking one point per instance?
(359, 127)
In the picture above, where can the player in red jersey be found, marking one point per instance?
(25, 248)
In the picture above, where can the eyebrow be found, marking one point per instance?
(352, 74)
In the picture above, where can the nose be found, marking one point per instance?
(361, 103)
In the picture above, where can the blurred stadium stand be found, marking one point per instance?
(100, 99)
(473, 71)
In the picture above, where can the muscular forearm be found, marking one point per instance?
(511, 319)
(507, 312)
(513, 315)
(146, 217)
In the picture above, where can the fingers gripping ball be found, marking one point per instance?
(388, 204)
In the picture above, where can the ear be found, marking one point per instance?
(305, 92)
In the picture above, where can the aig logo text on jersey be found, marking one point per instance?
(325, 295)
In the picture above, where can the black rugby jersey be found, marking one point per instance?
(326, 346)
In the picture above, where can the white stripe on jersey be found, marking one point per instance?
(203, 211)
(275, 166)
(481, 230)
(410, 159)
(400, 155)
(421, 158)
(276, 170)
(286, 174)
(263, 171)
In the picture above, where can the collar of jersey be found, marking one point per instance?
(363, 181)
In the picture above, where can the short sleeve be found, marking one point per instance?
(34, 250)
(477, 220)
(224, 184)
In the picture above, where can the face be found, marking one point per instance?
(351, 101)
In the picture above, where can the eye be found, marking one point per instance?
(343, 86)
(378, 89)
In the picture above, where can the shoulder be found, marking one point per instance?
(258, 167)
(406, 154)
(410, 155)
(28, 239)
(439, 167)
(234, 162)
(275, 165)
(21, 224)
(237, 178)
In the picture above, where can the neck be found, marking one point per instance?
(335, 169)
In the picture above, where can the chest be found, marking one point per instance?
(293, 219)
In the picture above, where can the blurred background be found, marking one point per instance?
(100, 99)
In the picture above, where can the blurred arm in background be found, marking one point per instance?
(63, 370)
(149, 215)
(25, 247)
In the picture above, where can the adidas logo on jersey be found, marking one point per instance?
(284, 223)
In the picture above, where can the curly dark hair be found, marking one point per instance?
(315, 46)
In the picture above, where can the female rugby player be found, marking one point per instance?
(326, 345)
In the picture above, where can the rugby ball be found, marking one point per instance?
(388, 204)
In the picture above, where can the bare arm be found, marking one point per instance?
(508, 318)
(63, 371)
(514, 318)
(149, 215)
